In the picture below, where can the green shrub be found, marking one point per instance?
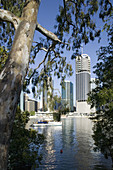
(57, 116)
(24, 144)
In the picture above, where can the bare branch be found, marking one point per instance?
(47, 33)
(9, 17)
(49, 49)
(56, 55)
(44, 49)
(35, 42)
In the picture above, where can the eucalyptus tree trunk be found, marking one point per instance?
(12, 75)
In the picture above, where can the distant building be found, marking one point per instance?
(67, 94)
(29, 104)
(22, 101)
(83, 77)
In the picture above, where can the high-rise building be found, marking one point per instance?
(67, 94)
(83, 77)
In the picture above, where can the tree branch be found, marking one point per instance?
(49, 49)
(70, 23)
(73, 1)
(44, 49)
(39, 49)
(47, 33)
(9, 17)
(110, 3)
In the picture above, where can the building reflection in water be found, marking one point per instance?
(74, 137)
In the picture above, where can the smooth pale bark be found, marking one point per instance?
(9, 17)
(47, 33)
(13, 74)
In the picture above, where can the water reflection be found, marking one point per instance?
(74, 138)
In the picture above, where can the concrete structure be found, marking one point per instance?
(67, 94)
(83, 77)
(30, 104)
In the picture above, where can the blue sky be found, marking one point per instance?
(46, 17)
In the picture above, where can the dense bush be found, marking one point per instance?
(24, 144)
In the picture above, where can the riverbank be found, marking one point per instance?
(62, 116)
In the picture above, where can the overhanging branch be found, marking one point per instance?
(9, 17)
(47, 33)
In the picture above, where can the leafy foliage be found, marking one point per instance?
(103, 135)
(14, 6)
(56, 117)
(54, 63)
(52, 101)
(102, 98)
(24, 143)
(3, 57)
(6, 29)
(76, 18)
(63, 108)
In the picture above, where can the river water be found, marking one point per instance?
(74, 137)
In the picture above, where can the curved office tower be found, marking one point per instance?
(83, 77)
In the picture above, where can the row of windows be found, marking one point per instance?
(82, 86)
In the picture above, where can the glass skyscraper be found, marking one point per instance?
(67, 94)
(83, 77)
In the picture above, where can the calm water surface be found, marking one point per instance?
(74, 138)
